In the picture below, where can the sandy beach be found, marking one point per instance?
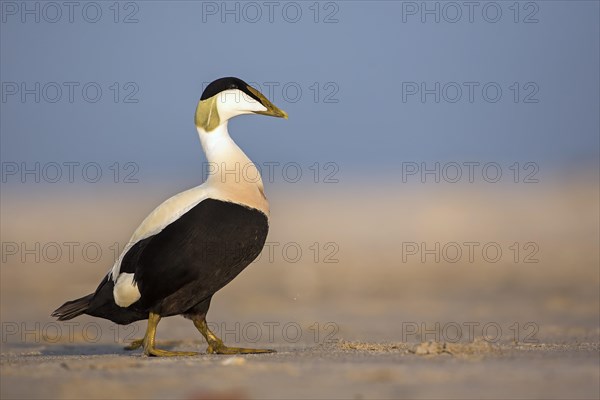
(362, 294)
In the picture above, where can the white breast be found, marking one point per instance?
(245, 188)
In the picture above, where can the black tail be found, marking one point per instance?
(73, 308)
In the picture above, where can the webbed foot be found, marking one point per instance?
(149, 344)
(222, 349)
(216, 345)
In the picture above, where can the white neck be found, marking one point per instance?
(232, 176)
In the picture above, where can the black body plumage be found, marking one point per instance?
(178, 270)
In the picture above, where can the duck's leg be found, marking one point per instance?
(148, 342)
(216, 345)
(135, 344)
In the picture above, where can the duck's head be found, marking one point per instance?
(226, 98)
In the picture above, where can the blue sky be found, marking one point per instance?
(351, 75)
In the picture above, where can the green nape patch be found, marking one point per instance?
(207, 115)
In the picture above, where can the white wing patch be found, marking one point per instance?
(125, 291)
(218, 146)
(160, 218)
